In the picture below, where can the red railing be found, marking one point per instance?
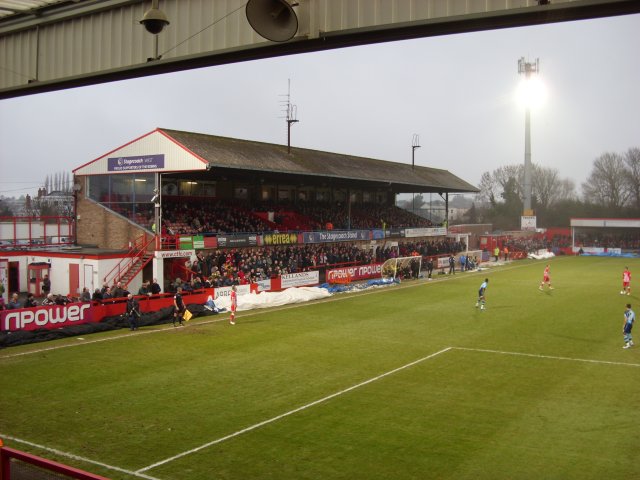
(10, 455)
(133, 258)
(169, 242)
(36, 231)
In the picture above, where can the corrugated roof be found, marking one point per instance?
(13, 7)
(225, 152)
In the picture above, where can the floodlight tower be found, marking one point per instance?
(528, 69)
(415, 143)
(291, 112)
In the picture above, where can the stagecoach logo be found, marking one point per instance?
(46, 317)
(142, 162)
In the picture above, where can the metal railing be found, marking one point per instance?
(133, 258)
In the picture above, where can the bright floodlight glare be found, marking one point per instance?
(531, 93)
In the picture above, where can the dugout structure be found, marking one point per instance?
(402, 267)
(601, 235)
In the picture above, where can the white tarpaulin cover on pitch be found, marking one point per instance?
(541, 255)
(251, 301)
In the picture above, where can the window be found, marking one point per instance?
(127, 194)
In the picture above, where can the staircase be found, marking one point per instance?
(136, 267)
(137, 258)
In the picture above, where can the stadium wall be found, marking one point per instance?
(91, 268)
(56, 316)
(103, 228)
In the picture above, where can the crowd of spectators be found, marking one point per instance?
(625, 241)
(526, 244)
(197, 217)
(430, 248)
(16, 301)
(226, 267)
(541, 242)
(219, 268)
(181, 216)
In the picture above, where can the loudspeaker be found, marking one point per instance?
(274, 20)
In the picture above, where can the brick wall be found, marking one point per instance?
(100, 226)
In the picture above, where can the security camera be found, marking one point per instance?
(154, 20)
(156, 196)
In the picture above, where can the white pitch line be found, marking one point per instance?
(76, 457)
(291, 412)
(57, 347)
(550, 357)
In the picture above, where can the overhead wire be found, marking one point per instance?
(202, 30)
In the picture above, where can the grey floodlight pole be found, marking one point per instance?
(527, 69)
(415, 143)
(292, 113)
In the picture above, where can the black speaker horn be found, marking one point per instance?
(274, 20)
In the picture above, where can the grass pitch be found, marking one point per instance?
(408, 382)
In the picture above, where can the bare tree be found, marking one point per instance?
(607, 184)
(512, 176)
(493, 184)
(544, 182)
(566, 191)
(549, 188)
(632, 162)
(490, 189)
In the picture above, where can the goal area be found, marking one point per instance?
(402, 267)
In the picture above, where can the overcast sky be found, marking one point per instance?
(457, 92)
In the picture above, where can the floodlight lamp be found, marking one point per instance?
(531, 93)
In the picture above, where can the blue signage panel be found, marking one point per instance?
(141, 162)
(336, 236)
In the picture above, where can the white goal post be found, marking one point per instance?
(402, 267)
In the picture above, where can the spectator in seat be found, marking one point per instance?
(30, 301)
(144, 288)
(119, 291)
(155, 287)
(13, 304)
(85, 296)
(49, 300)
